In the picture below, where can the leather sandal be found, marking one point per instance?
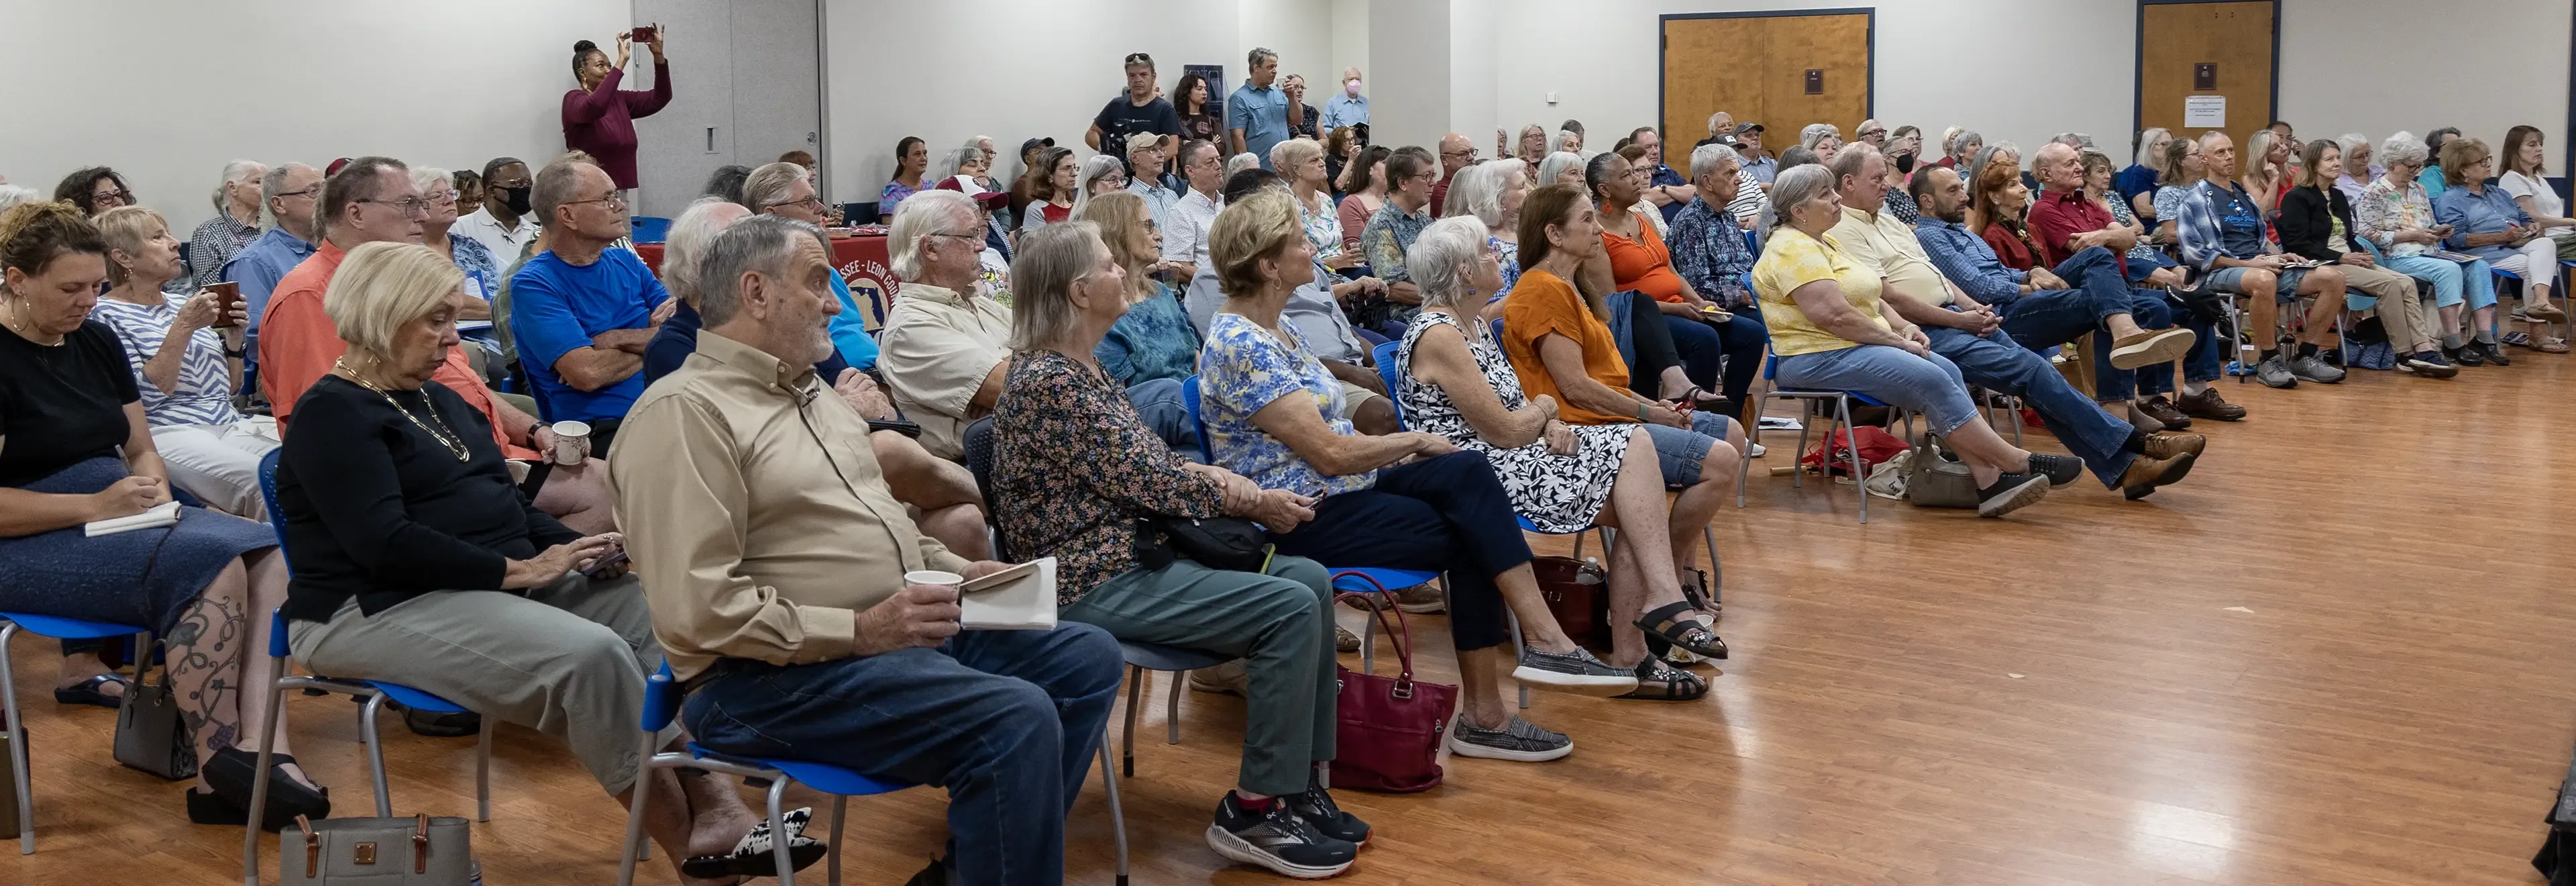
(752, 856)
(87, 692)
(1658, 682)
(1666, 626)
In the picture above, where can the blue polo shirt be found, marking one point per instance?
(555, 309)
(1262, 114)
(258, 267)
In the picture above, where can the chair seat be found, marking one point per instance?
(61, 628)
(821, 777)
(413, 698)
(1157, 657)
(1389, 579)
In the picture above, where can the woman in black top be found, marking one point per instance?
(2316, 224)
(204, 585)
(417, 561)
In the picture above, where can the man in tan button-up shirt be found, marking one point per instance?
(773, 558)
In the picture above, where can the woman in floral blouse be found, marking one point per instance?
(1076, 475)
(2396, 215)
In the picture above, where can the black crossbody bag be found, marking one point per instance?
(1224, 543)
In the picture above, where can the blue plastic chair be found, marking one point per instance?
(1842, 401)
(375, 692)
(1384, 354)
(662, 704)
(11, 625)
(649, 228)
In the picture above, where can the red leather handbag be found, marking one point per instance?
(1391, 727)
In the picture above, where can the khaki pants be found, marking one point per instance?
(568, 660)
(2408, 317)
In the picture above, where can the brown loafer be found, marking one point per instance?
(2162, 409)
(2208, 405)
(2145, 474)
(2169, 446)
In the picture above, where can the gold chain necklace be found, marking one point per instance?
(446, 437)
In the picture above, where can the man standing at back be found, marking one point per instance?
(1256, 114)
(1137, 111)
(290, 193)
(583, 313)
(502, 226)
(1347, 106)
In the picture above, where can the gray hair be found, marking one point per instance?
(768, 185)
(1850, 161)
(2075, 140)
(2214, 134)
(1815, 134)
(2148, 155)
(1253, 59)
(1439, 256)
(759, 244)
(11, 195)
(1097, 167)
(273, 185)
(1965, 138)
(1555, 164)
(1556, 144)
(1478, 191)
(1793, 189)
(2403, 149)
(1240, 162)
(233, 173)
(726, 183)
(1051, 260)
(1712, 122)
(690, 234)
(1706, 158)
(1291, 151)
(555, 187)
(919, 216)
(2350, 140)
(954, 160)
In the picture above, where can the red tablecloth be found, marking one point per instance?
(863, 264)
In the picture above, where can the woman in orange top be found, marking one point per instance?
(1560, 346)
(1639, 262)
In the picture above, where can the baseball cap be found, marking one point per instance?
(1048, 142)
(1741, 128)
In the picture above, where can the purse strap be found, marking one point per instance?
(1397, 631)
(420, 846)
(312, 848)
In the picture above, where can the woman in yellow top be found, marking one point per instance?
(1830, 334)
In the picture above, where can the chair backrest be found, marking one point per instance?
(661, 700)
(979, 462)
(1752, 242)
(277, 524)
(1385, 356)
(1190, 397)
(649, 228)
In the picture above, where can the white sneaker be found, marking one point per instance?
(1754, 450)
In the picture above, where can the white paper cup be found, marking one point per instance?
(933, 577)
(572, 443)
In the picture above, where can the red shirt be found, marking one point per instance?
(2057, 216)
(298, 344)
(1440, 195)
(2009, 248)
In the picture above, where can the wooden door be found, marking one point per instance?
(2175, 38)
(1755, 67)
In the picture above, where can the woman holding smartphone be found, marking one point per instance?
(599, 117)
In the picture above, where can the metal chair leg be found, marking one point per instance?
(375, 754)
(1513, 622)
(778, 832)
(483, 771)
(1798, 475)
(1716, 572)
(1172, 709)
(635, 840)
(26, 798)
(1842, 417)
(259, 779)
(841, 808)
(1117, 822)
(1127, 740)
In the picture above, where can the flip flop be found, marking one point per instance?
(87, 693)
(752, 856)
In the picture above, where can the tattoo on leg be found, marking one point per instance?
(204, 660)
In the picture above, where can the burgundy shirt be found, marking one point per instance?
(2057, 216)
(2008, 246)
(602, 121)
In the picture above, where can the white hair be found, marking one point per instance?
(236, 171)
(953, 160)
(2403, 149)
(424, 177)
(1240, 162)
(1555, 165)
(1478, 191)
(690, 236)
(2350, 140)
(1438, 258)
(1093, 169)
(11, 195)
(919, 216)
(2148, 155)
(1705, 158)
(1815, 134)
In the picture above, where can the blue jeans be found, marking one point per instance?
(1929, 385)
(2201, 364)
(1008, 721)
(2453, 283)
(1680, 452)
(1995, 362)
(1446, 513)
(1159, 403)
(1744, 340)
(2050, 317)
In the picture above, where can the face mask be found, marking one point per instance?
(516, 199)
(1905, 163)
(1351, 89)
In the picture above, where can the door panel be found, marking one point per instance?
(2234, 35)
(1755, 68)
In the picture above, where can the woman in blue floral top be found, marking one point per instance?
(1077, 476)
(1154, 340)
(1274, 413)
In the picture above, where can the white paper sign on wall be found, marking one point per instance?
(2204, 111)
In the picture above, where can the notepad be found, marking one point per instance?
(164, 513)
(1021, 598)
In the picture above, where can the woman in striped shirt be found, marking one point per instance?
(187, 356)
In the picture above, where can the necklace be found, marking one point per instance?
(13, 323)
(445, 436)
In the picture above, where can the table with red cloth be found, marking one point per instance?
(863, 264)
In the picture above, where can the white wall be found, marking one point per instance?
(1351, 38)
(749, 73)
(2328, 89)
(192, 85)
(1409, 69)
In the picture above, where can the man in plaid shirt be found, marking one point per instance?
(2222, 232)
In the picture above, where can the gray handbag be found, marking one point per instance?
(150, 735)
(416, 851)
(1936, 479)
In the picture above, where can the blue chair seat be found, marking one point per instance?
(60, 628)
(821, 777)
(412, 698)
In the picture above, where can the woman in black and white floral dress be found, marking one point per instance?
(1453, 381)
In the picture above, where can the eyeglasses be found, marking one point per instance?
(972, 238)
(306, 193)
(614, 201)
(1865, 134)
(410, 207)
(814, 203)
(120, 195)
(1470, 152)
(437, 199)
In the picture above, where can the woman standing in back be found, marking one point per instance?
(599, 118)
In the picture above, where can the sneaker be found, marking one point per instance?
(1420, 599)
(2060, 470)
(2492, 352)
(2310, 368)
(1576, 672)
(1315, 805)
(1230, 678)
(2167, 446)
(1276, 838)
(2275, 373)
(2010, 493)
(1519, 741)
(1344, 640)
(2208, 405)
(2165, 413)
(1754, 450)
(2146, 474)
(2149, 348)
(2465, 356)
(2429, 364)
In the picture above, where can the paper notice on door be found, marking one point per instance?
(2204, 111)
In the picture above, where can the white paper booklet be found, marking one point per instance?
(1021, 598)
(164, 513)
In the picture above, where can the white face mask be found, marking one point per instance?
(1351, 89)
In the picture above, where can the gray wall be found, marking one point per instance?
(748, 69)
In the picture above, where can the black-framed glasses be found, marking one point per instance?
(411, 207)
(120, 195)
(306, 193)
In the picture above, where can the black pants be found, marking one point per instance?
(1652, 340)
(1448, 513)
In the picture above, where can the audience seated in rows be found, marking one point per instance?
(1300, 163)
(1493, 193)
(1362, 191)
(1185, 238)
(1052, 179)
(2484, 222)
(582, 311)
(1703, 334)
(1711, 256)
(1386, 238)
(186, 352)
(786, 189)
(506, 224)
(2317, 224)
(2223, 234)
(1152, 338)
(1315, 309)
(2396, 216)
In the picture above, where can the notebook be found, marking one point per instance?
(158, 515)
(1021, 598)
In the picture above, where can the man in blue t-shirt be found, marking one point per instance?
(583, 311)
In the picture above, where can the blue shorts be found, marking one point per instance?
(1680, 452)
(2231, 281)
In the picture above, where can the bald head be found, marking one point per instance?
(2218, 155)
(2059, 168)
(1456, 153)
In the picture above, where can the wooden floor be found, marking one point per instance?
(2337, 654)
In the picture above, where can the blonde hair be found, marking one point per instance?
(384, 287)
(125, 228)
(1289, 153)
(1115, 215)
(1252, 228)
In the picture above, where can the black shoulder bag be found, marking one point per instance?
(1224, 543)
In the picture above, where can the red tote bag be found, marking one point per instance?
(1391, 727)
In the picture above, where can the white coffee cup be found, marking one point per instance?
(933, 577)
(572, 443)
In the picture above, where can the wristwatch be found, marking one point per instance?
(237, 352)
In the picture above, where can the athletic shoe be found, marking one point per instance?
(2429, 364)
(1420, 599)
(2275, 373)
(2146, 474)
(2060, 470)
(1315, 805)
(1277, 839)
(2310, 368)
(2010, 493)
(1519, 741)
(1754, 450)
(2149, 348)
(1575, 672)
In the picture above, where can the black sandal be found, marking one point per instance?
(1659, 682)
(230, 772)
(87, 692)
(751, 857)
(1666, 626)
(1696, 592)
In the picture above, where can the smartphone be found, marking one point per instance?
(227, 295)
(605, 564)
(642, 35)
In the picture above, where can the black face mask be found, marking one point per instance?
(516, 199)
(1905, 163)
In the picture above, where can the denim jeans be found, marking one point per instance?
(1744, 340)
(1681, 452)
(1008, 721)
(2050, 317)
(1159, 403)
(1930, 385)
(2200, 364)
(1998, 364)
(1446, 513)
(2453, 283)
